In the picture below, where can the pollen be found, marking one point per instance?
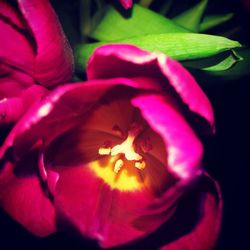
(104, 151)
(118, 165)
(125, 151)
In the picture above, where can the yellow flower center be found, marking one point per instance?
(121, 169)
(126, 149)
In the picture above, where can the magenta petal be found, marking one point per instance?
(121, 60)
(110, 216)
(22, 197)
(54, 60)
(13, 82)
(73, 100)
(205, 233)
(186, 86)
(183, 147)
(11, 109)
(21, 56)
(7, 11)
(127, 4)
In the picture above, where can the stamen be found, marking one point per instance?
(104, 151)
(140, 165)
(127, 149)
(119, 163)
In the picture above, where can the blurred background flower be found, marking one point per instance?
(34, 55)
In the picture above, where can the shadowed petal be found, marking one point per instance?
(54, 60)
(108, 215)
(22, 196)
(8, 12)
(182, 146)
(63, 108)
(21, 56)
(205, 233)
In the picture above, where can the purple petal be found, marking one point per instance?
(22, 196)
(13, 82)
(15, 49)
(183, 147)
(121, 60)
(73, 100)
(54, 60)
(204, 234)
(12, 108)
(110, 216)
(9, 13)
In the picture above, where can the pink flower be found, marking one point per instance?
(116, 157)
(127, 4)
(34, 55)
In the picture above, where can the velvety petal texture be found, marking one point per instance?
(128, 61)
(23, 197)
(117, 154)
(205, 232)
(33, 50)
(54, 61)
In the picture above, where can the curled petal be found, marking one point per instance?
(22, 196)
(12, 108)
(121, 60)
(183, 147)
(21, 56)
(73, 100)
(13, 82)
(204, 234)
(102, 213)
(8, 12)
(54, 60)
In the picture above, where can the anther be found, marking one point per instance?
(118, 165)
(104, 151)
(140, 165)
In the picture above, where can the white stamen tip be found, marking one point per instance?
(104, 151)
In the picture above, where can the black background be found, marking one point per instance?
(226, 158)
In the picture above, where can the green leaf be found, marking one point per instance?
(240, 69)
(142, 21)
(219, 62)
(214, 20)
(191, 18)
(226, 63)
(181, 46)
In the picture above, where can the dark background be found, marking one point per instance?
(226, 157)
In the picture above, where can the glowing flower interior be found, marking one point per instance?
(118, 146)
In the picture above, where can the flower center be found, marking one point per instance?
(125, 150)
